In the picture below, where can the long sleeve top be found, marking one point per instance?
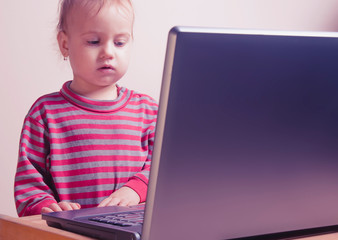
(77, 149)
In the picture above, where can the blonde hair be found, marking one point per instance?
(65, 6)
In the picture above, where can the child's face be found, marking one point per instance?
(98, 45)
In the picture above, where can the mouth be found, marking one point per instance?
(106, 68)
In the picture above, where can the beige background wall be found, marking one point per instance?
(31, 65)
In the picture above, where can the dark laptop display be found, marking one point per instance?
(246, 141)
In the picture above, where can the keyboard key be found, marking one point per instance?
(121, 219)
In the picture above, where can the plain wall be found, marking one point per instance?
(31, 64)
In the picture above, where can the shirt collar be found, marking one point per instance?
(104, 106)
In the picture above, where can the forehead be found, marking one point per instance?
(92, 14)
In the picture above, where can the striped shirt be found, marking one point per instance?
(81, 150)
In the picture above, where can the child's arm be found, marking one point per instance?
(32, 180)
(135, 190)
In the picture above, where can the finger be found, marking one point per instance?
(65, 206)
(132, 203)
(114, 201)
(75, 206)
(105, 202)
(46, 210)
(124, 202)
(55, 207)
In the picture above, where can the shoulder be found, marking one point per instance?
(45, 102)
(141, 99)
(144, 98)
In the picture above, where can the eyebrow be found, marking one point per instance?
(118, 35)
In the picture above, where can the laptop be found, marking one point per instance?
(246, 142)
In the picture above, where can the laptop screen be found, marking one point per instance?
(246, 141)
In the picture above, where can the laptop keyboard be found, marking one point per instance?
(121, 219)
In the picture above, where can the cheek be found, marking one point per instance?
(79, 50)
(82, 58)
(125, 57)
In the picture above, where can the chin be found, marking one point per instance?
(106, 83)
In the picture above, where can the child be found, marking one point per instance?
(91, 143)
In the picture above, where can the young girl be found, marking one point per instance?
(89, 144)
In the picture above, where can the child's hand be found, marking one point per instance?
(61, 206)
(125, 196)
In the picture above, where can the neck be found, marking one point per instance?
(95, 92)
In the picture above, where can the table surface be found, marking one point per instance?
(34, 228)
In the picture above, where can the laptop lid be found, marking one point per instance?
(247, 133)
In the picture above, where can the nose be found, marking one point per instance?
(108, 51)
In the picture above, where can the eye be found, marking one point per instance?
(93, 42)
(121, 42)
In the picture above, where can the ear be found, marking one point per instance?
(63, 43)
